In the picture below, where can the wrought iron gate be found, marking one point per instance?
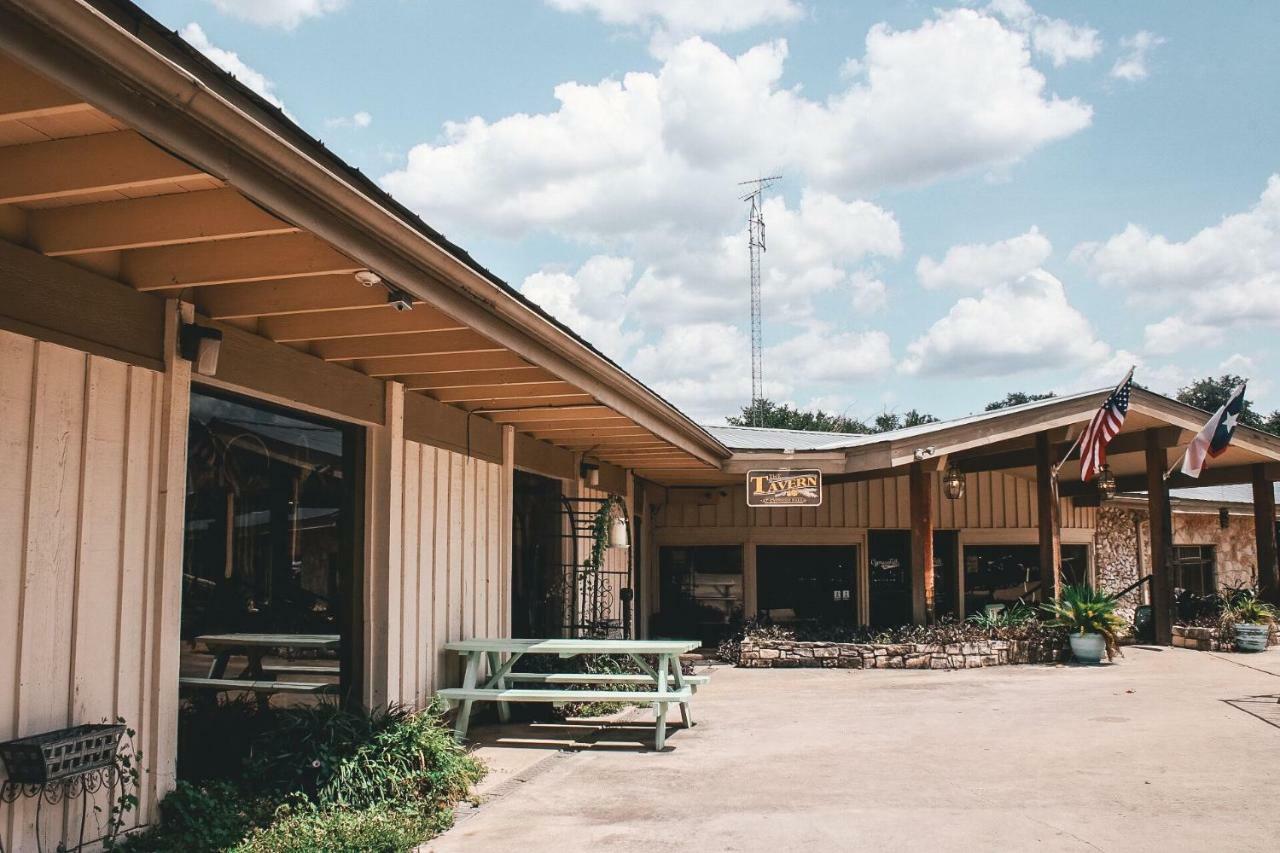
(596, 601)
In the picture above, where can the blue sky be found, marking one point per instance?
(976, 199)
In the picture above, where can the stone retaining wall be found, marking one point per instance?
(1209, 640)
(765, 654)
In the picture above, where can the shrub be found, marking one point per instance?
(377, 829)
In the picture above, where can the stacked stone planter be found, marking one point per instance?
(1210, 640)
(777, 654)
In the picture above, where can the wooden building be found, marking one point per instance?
(243, 390)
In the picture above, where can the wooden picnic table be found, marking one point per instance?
(670, 685)
(255, 677)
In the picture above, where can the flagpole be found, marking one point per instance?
(1076, 443)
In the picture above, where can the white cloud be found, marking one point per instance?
(684, 17)
(869, 294)
(980, 265)
(589, 301)
(1175, 333)
(1010, 328)
(1223, 275)
(956, 94)
(1132, 64)
(230, 62)
(822, 354)
(1058, 39)
(703, 368)
(358, 121)
(285, 14)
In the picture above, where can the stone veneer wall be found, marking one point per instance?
(767, 654)
(1235, 547)
(1116, 543)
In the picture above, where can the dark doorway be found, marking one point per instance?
(808, 583)
(889, 561)
(537, 602)
(700, 592)
(270, 546)
(946, 578)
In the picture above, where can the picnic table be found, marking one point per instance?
(670, 685)
(260, 679)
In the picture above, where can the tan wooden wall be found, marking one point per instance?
(992, 500)
(453, 581)
(80, 451)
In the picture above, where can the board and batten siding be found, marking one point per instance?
(80, 501)
(449, 572)
(992, 500)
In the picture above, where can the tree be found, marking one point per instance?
(1017, 398)
(782, 416)
(1211, 393)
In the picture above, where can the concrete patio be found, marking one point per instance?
(1167, 750)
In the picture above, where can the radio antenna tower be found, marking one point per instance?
(756, 246)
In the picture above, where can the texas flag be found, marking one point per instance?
(1215, 436)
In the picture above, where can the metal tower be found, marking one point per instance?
(756, 245)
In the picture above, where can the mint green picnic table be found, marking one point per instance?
(670, 685)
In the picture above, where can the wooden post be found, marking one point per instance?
(1161, 539)
(1049, 522)
(920, 482)
(1264, 524)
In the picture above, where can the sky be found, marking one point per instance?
(975, 198)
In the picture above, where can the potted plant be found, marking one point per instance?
(1090, 618)
(1252, 619)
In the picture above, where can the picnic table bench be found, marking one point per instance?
(670, 685)
(260, 679)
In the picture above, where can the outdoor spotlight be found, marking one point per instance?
(1106, 483)
(200, 345)
(590, 473)
(368, 278)
(953, 483)
(399, 300)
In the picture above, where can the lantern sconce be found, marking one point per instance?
(953, 483)
(1106, 483)
(1224, 517)
(590, 473)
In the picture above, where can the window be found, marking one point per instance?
(270, 540)
(1003, 574)
(700, 592)
(807, 583)
(1193, 568)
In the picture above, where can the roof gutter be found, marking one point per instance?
(79, 47)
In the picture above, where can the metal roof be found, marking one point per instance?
(1241, 493)
(765, 438)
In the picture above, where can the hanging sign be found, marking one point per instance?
(784, 488)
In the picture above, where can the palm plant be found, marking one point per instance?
(1246, 607)
(1081, 609)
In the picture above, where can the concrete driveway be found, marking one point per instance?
(1158, 752)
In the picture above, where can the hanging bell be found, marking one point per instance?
(619, 535)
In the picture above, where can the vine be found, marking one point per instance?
(127, 770)
(600, 531)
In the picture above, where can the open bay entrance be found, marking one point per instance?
(537, 600)
(816, 584)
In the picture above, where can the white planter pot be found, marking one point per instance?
(1088, 648)
(1252, 638)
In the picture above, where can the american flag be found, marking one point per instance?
(1104, 426)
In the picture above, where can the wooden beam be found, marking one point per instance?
(506, 392)
(472, 378)
(488, 404)
(305, 295)
(80, 165)
(553, 413)
(231, 261)
(25, 94)
(554, 433)
(150, 221)
(1161, 516)
(440, 363)
(1048, 519)
(357, 323)
(920, 487)
(400, 346)
(638, 442)
(1264, 526)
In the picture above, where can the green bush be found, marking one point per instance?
(320, 778)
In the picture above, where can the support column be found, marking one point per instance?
(1264, 524)
(1161, 539)
(920, 482)
(1049, 521)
